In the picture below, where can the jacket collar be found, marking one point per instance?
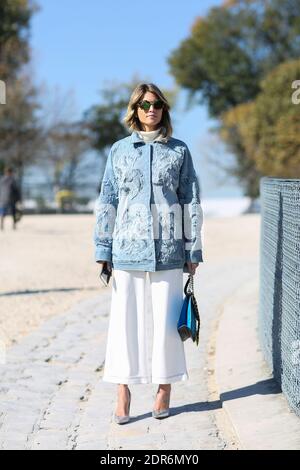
(135, 138)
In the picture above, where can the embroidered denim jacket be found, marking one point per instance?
(148, 213)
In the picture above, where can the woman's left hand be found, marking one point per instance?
(192, 267)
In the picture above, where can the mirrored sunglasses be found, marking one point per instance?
(145, 105)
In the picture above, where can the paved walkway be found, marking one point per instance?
(52, 395)
(258, 411)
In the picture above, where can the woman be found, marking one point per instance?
(149, 219)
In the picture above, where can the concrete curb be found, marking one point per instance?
(256, 408)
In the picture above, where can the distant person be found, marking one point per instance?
(9, 195)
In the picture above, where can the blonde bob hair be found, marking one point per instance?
(131, 119)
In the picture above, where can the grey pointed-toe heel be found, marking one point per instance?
(126, 418)
(160, 414)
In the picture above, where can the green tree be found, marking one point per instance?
(270, 126)
(15, 18)
(224, 60)
(105, 119)
(231, 49)
(19, 126)
(238, 131)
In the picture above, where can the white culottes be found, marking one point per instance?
(128, 352)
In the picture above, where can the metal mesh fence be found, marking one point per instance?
(279, 298)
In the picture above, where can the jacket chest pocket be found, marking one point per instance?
(131, 182)
(166, 169)
(129, 174)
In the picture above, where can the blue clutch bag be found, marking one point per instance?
(188, 325)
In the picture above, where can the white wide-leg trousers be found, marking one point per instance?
(127, 359)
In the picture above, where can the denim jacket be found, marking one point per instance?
(148, 213)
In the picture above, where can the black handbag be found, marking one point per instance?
(188, 325)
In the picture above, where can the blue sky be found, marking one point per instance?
(82, 46)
